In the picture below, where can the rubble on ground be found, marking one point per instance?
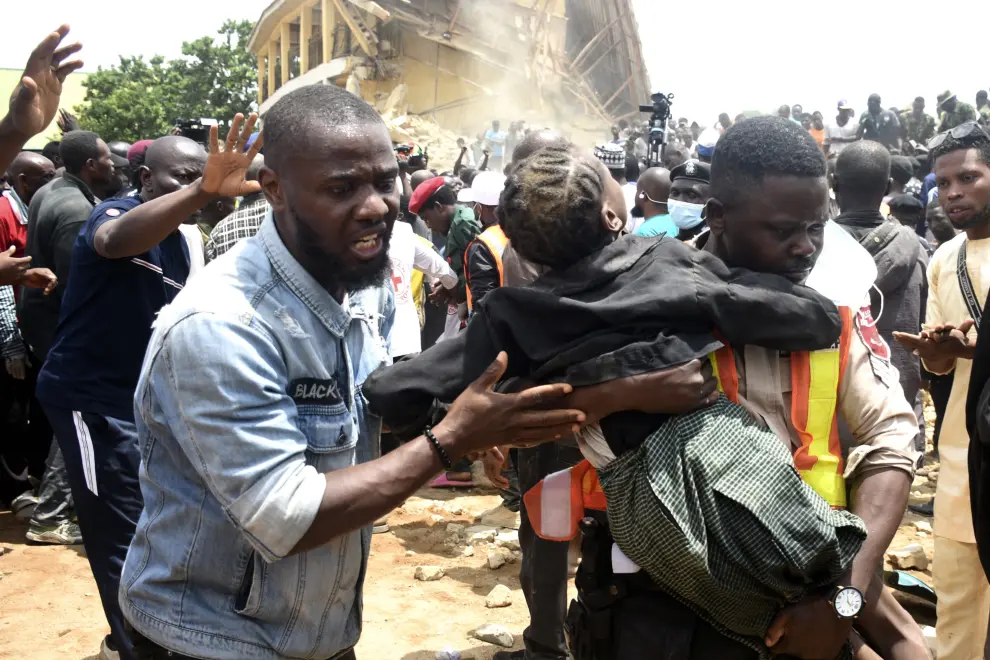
(429, 573)
(439, 143)
(910, 557)
(494, 634)
(500, 596)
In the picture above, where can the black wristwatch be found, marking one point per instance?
(848, 602)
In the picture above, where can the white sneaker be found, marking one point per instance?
(64, 533)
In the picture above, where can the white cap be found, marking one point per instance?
(708, 138)
(485, 189)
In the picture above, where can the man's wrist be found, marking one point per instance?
(449, 438)
(9, 132)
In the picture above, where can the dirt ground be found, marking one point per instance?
(49, 606)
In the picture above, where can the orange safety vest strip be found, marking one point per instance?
(815, 381)
(496, 241)
(556, 505)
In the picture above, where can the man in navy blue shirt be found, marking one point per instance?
(128, 262)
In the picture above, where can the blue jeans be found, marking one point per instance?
(101, 460)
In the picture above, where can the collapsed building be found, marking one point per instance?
(575, 65)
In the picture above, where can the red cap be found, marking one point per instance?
(424, 192)
(137, 149)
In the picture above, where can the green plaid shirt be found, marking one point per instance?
(712, 508)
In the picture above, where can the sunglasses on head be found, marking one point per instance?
(959, 132)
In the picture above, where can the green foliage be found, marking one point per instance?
(140, 99)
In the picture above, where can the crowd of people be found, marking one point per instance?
(226, 364)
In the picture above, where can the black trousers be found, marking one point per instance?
(25, 436)
(101, 460)
(543, 573)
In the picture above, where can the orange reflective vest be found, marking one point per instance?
(496, 241)
(556, 505)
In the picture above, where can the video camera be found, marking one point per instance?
(659, 114)
(197, 130)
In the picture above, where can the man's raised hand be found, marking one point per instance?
(35, 100)
(225, 170)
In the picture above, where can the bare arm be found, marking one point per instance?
(145, 226)
(460, 160)
(478, 420)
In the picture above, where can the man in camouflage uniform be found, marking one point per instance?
(954, 111)
(916, 125)
(983, 107)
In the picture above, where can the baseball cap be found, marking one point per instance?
(706, 142)
(485, 189)
(844, 105)
(424, 192)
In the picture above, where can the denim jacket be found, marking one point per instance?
(249, 393)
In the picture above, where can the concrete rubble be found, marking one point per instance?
(909, 557)
(494, 634)
(500, 596)
(429, 573)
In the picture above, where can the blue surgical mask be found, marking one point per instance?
(684, 214)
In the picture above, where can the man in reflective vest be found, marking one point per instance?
(767, 214)
(483, 257)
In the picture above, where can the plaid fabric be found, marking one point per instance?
(11, 344)
(242, 223)
(711, 507)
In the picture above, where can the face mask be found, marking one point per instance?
(685, 215)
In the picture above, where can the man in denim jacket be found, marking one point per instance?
(260, 470)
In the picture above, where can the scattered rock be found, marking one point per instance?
(933, 477)
(467, 552)
(922, 535)
(500, 517)
(429, 573)
(496, 559)
(436, 518)
(455, 529)
(923, 526)
(509, 539)
(480, 534)
(453, 508)
(911, 556)
(448, 653)
(63, 633)
(5, 549)
(917, 497)
(415, 534)
(494, 634)
(500, 596)
(919, 481)
(410, 553)
(922, 472)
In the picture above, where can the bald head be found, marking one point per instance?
(862, 176)
(419, 177)
(652, 191)
(28, 173)
(170, 164)
(536, 140)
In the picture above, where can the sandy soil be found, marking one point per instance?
(50, 608)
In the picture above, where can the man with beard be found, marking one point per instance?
(129, 261)
(259, 470)
(958, 281)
